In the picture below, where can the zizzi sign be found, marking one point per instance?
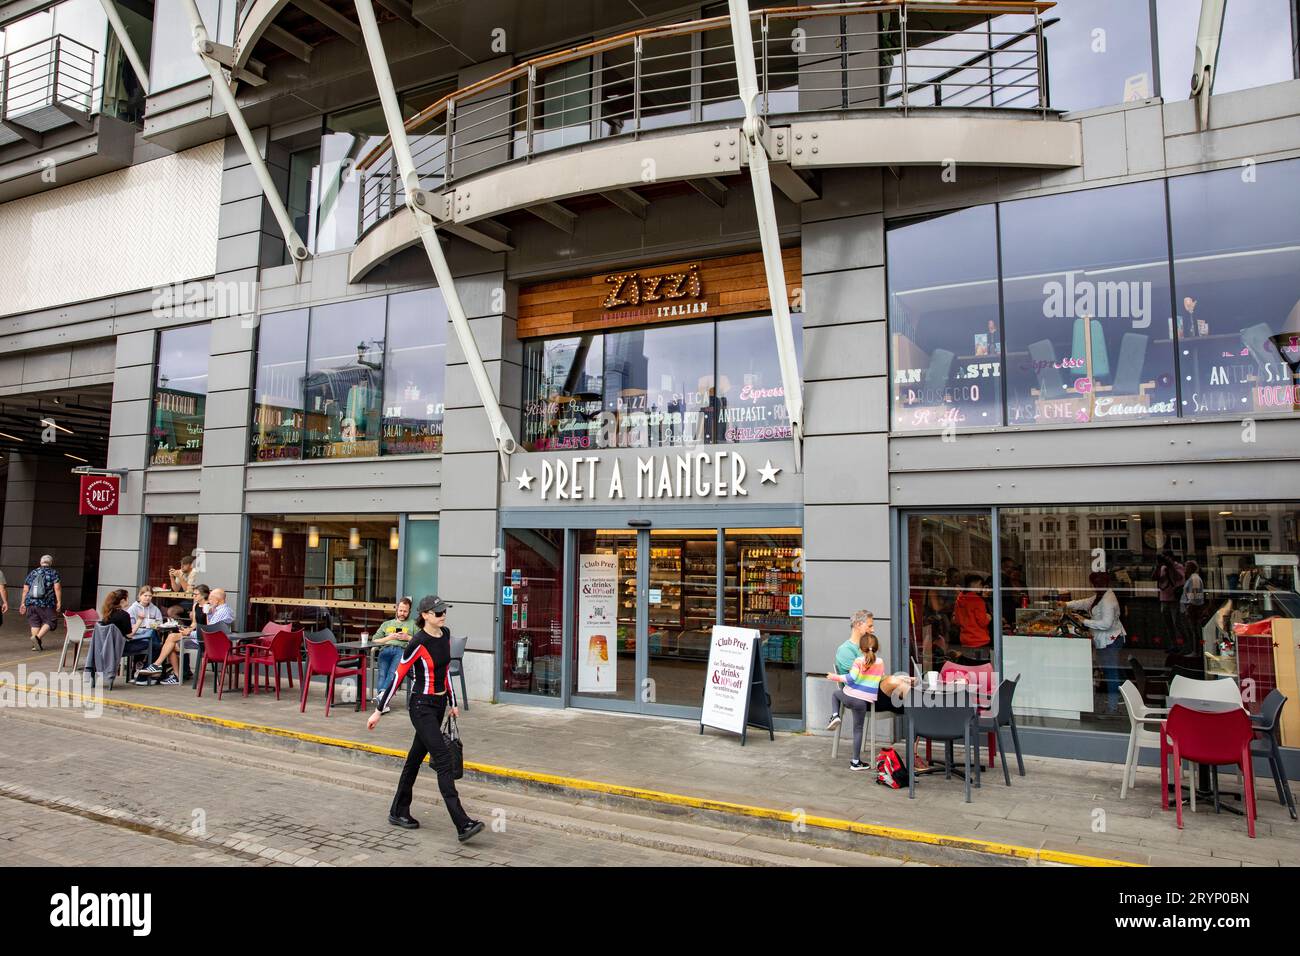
(631, 288)
(702, 474)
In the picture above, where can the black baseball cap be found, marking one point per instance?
(431, 602)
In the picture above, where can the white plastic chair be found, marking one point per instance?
(1223, 689)
(1144, 731)
(75, 629)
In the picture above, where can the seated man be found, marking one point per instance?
(394, 634)
(866, 684)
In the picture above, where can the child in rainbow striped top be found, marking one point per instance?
(862, 688)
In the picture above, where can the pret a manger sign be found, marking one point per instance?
(683, 475)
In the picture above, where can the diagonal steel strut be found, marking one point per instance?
(1208, 33)
(506, 444)
(742, 39)
(205, 49)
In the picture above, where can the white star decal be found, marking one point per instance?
(525, 481)
(768, 472)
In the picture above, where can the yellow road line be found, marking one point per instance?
(638, 793)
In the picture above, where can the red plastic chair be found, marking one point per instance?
(323, 658)
(1214, 739)
(981, 676)
(218, 649)
(269, 630)
(285, 648)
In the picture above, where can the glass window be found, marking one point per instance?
(172, 538)
(533, 638)
(764, 568)
(563, 392)
(945, 342)
(349, 136)
(174, 61)
(604, 602)
(949, 590)
(562, 105)
(343, 388)
(420, 574)
(657, 383)
(281, 366)
(666, 95)
(749, 401)
(1086, 306)
(180, 395)
(303, 196)
(1178, 581)
(414, 371)
(1257, 46)
(1237, 273)
(317, 571)
(1098, 53)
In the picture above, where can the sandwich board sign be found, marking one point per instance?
(735, 688)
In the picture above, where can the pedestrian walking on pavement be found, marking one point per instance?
(42, 600)
(427, 660)
(4, 599)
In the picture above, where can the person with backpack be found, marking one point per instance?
(42, 600)
(863, 686)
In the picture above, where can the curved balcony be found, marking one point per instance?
(849, 84)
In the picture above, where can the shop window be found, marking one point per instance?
(319, 571)
(763, 589)
(562, 105)
(1098, 53)
(420, 574)
(180, 396)
(533, 642)
(1185, 587)
(749, 401)
(278, 418)
(1257, 46)
(414, 373)
(303, 196)
(172, 539)
(1236, 236)
(657, 384)
(949, 598)
(173, 62)
(563, 389)
(667, 96)
(604, 601)
(945, 339)
(1086, 303)
(343, 389)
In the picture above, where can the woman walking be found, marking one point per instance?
(427, 660)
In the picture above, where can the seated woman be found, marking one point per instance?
(149, 620)
(114, 612)
(866, 683)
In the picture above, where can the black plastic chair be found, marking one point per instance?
(993, 723)
(936, 721)
(1266, 724)
(457, 668)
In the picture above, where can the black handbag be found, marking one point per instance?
(451, 737)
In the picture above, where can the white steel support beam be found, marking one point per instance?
(205, 48)
(1208, 33)
(742, 42)
(124, 38)
(417, 203)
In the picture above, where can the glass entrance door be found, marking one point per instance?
(681, 609)
(606, 627)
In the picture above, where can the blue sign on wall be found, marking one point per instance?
(507, 595)
(796, 605)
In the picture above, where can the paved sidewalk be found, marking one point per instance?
(1061, 805)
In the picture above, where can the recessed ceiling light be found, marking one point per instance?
(1225, 513)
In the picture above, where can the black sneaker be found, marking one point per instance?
(469, 830)
(858, 765)
(142, 680)
(170, 680)
(833, 722)
(151, 669)
(406, 822)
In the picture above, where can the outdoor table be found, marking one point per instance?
(947, 693)
(1203, 787)
(370, 648)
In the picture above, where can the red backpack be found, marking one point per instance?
(891, 772)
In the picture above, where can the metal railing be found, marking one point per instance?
(57, 71)
(842, 56)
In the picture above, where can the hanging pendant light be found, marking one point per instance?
(277, 539)
(173, 536)
(392, 539)
(354, 539)
(313, 537)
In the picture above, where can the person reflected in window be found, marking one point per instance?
(1192, 604)
(1108, 634)
(1169, 576)
(971, 617)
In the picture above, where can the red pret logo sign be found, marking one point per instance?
(99, 494)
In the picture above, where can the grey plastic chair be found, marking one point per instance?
(993, 723)
(457, 667)
(1132, 359)
(948, 724)
(1266, 724)
(937, 375)
(869, 738)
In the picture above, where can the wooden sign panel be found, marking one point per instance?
(679, 291)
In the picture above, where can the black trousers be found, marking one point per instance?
(426, 711)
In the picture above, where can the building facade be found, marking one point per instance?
(1044, 302)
